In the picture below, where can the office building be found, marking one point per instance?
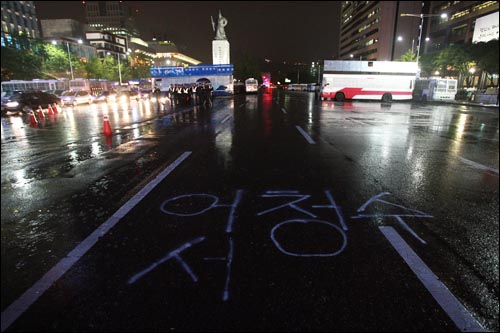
(370, 29)
(18, 20)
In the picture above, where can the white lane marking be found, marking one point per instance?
(305, 135)
(13, 311)
(358, 121)
(283, 110)
(448, 302)
(225, 119)
(477, 165)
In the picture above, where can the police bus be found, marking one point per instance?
(370, 80)
(33, 85)
(435, 89)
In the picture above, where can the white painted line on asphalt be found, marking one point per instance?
(477, 165)
(448, 302)
(13, 311)
(357, 121)
(305, 135)
(283, 110)
(225, 119)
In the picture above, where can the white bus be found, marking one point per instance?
(36, 84)
(297, 87)
(371, 80)
(251, 85)
(435, 89)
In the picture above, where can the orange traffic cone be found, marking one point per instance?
(107, 126)
(55, 108)
(41, 115)
(50, 111)
(33, 121)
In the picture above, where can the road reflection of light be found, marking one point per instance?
(310, 107)
(96, 118)
(125, 114)
(147, 109)
(410, 151)
(73, 153)
(417, 172)
(105, 108)
(69, 115)
(18, 129)
(96, 148)
(136, 133)
(124, 102)
(119, 140)
(116, 114)
(223, 143)
(462, 120)
(135, 113)
(21, 180)
(460, 128)
(93, 107)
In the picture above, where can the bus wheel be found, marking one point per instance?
(340, 97)
(387, 98)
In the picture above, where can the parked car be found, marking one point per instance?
(26, 101)
(76, 97)
(106, 96)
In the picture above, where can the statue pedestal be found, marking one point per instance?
(220, 52)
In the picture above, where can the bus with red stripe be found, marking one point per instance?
(370, 80)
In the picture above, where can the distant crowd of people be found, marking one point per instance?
(189, 94)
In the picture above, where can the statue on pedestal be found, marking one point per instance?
(220, 34)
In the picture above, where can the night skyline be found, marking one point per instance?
(275, 30)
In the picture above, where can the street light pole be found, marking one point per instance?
(421, 28)
(119, 69)
(69, 58)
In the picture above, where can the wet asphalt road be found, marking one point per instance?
(280, 213)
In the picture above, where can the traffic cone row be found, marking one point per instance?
(34, 122)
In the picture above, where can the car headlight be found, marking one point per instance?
(12, 104)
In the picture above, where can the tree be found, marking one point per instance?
(409, 56)
(141, 66)
(55, 61)
(94, 68)
(21, 64)
(486, 58)
(110, 69)
(457, 58)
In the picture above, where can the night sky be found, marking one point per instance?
(276, 30)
